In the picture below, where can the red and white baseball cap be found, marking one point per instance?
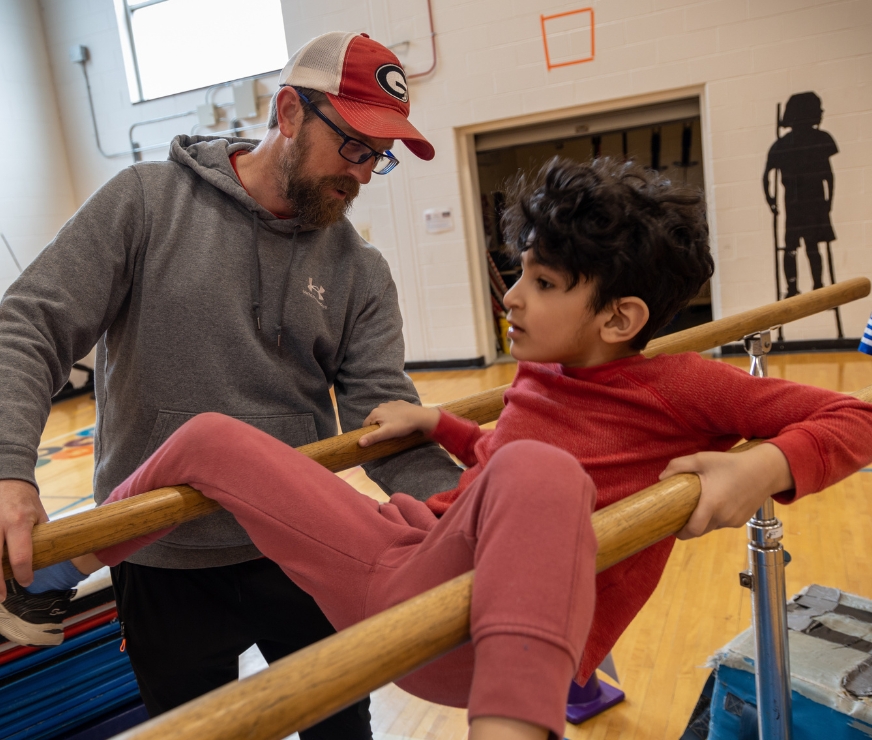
(365, 83)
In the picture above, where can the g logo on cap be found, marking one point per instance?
(392, 80)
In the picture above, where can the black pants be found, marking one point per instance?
(185, 630)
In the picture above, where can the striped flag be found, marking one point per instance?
(866, 341)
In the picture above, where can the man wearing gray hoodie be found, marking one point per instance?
(226, 279)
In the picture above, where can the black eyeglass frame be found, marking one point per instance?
(377, 157)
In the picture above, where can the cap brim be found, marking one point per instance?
(383, 123)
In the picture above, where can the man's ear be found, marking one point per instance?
(626, 318)
(289, 112)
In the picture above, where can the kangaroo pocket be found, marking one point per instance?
(220, 530)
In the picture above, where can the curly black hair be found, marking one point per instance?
(627, 229)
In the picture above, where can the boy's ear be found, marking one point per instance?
(626, 318)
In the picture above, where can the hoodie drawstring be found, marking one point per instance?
(284, 292)
(255, 277)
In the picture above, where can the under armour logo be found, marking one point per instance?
(316, 289)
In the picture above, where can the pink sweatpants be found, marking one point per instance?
(524, 525)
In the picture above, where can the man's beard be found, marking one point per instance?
(312, 203)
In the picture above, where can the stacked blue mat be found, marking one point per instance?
(830, 638)
(83, 688)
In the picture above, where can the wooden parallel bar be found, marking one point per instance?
(486, 406)
(300, 690)
(732, 328)
(341, 452)
(121, 521)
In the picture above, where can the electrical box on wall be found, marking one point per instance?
(78, 54)
(207, 114)
(364, 231)
(245, 99)
(437, 220)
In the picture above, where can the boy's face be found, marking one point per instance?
(549, 323)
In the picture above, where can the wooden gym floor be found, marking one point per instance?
(698, 606)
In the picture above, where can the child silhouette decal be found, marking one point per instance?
(802, 156)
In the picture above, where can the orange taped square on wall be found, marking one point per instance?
(568, 37)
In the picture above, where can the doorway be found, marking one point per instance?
(663, 136)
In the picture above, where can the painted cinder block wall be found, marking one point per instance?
(741, 57)
(36, 193)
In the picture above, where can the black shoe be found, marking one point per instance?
(34, 619)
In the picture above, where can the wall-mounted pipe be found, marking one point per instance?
(135, 150)
(14, 258)
(432, 44)
(134, 147)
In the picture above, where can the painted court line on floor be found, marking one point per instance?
(67, 436)
(72, 504)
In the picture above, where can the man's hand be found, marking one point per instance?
(734, 485)
(398, 419)
(20, 510)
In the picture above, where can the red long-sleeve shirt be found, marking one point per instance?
(625, 420)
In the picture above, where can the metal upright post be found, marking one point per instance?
(768, 596)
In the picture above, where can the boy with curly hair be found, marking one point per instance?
(610, 252)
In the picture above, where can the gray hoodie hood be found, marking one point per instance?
(209, 157)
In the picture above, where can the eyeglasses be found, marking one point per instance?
(354, 150)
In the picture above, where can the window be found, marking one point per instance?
(171, 46)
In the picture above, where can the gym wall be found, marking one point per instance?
(36, 193)
(740, 59)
